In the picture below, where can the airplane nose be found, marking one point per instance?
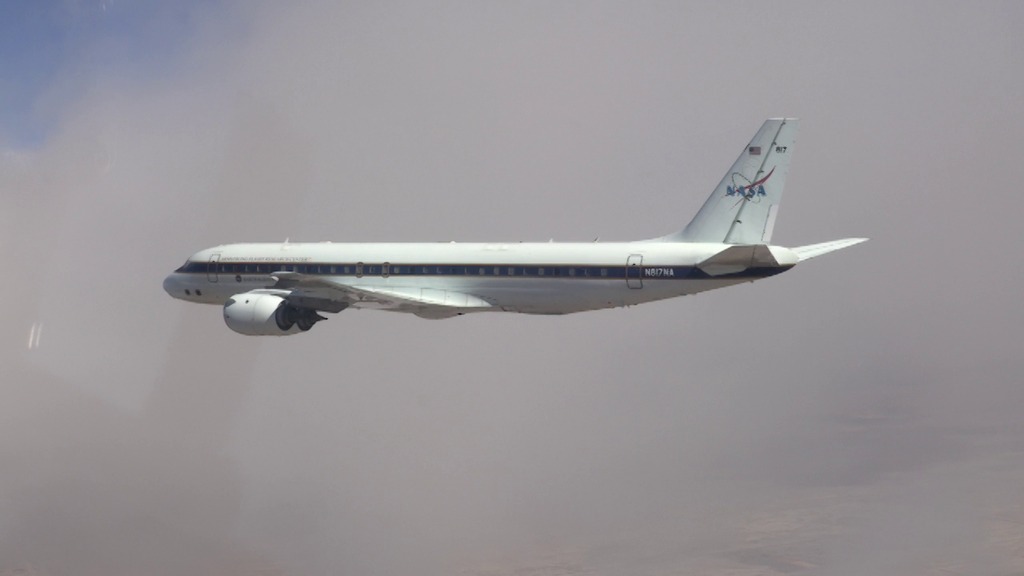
(171, 286)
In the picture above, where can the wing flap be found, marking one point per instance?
(424, 296)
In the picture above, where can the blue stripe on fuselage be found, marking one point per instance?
(359, 270)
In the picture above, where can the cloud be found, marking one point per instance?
(860, 410)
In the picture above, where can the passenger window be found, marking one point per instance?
(359, 270)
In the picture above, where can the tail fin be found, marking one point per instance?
(743, 207)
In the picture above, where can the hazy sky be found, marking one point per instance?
(860, 414)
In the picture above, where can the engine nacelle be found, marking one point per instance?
(266, 315)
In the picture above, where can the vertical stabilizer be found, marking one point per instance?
(743, 207)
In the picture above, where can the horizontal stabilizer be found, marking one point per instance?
(808, 252)
(737, 259)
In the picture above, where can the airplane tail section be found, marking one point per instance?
(743, 207)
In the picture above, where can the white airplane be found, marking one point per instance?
(281, 288)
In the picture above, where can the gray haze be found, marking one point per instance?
(861, 414)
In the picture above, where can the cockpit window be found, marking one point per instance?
(190, 266)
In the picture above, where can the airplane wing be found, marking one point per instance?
(330, 295)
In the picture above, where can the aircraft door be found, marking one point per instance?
(634, 270)
(211, 270)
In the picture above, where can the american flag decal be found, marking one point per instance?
(754, 150)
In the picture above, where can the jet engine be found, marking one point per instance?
(267, 315)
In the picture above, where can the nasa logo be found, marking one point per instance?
(747, 191)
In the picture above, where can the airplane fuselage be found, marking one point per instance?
(533, 278)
